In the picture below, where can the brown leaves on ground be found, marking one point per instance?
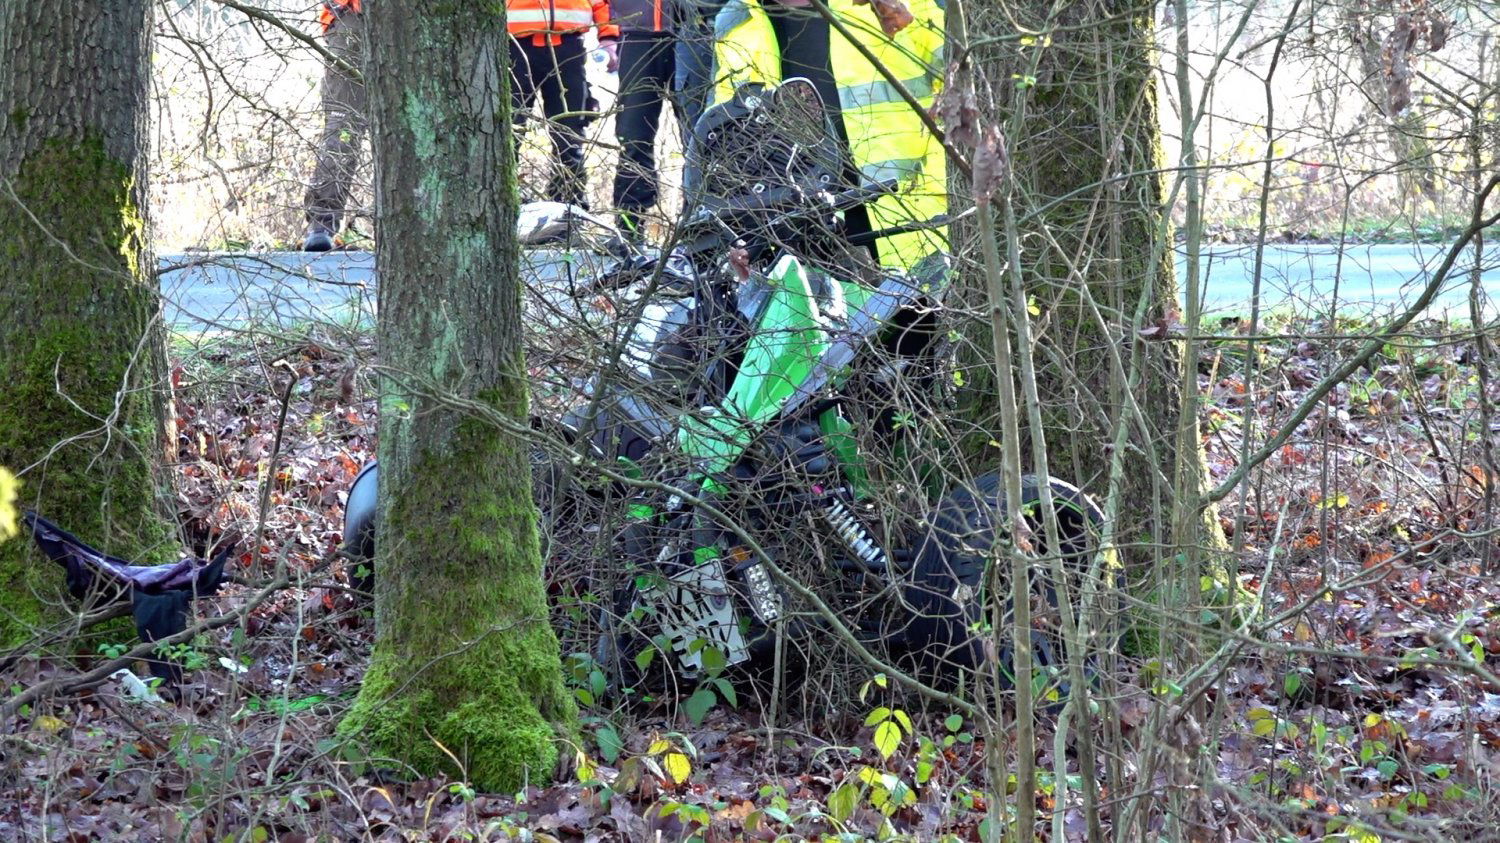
(1369, 703)
(1369, 534)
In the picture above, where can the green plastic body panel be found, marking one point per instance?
(838, 433)
(793, 333)
(787, 342)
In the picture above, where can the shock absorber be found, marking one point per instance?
(852, 532)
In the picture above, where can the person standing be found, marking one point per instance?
(695, 58)
(548, 60)
(344, 124)
(649, 32)
(885, 139)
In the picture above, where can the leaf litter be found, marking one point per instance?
(1369, 706)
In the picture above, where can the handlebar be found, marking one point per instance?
(720, 220)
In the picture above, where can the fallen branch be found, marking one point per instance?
(55, 635)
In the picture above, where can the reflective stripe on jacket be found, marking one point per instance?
(886, 138)
(558, 17)
(333, 8)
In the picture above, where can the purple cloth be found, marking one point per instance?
(84, 563)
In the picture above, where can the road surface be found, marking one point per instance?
(1366, 278)
(283, 290)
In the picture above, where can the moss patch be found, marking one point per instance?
(465, 660)
(71, 338)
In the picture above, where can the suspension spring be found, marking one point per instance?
(854, 535)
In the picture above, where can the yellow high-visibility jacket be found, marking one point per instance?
(887, 139)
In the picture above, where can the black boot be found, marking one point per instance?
(318, 239)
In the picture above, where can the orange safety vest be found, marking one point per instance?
(333, 8)
(546, 20)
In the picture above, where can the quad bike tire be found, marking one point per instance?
(943, 604)
(558, 500)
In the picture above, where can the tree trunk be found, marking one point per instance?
(1091, 202)
(80, 345)
(1406, 129)
(465, 661)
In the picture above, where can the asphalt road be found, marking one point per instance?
(1363, 279)
(281, 290)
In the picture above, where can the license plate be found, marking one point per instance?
(694, 604)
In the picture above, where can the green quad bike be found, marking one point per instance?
(773, 375)
(772, 378)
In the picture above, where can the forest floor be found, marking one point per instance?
(1361, 709)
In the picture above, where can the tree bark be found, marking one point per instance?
(1091, 201)
(465, 662)
(1406, 129)
(80, 345)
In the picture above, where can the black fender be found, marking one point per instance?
(942, 598)
(623, 428)
(359, 514)
(359, 528)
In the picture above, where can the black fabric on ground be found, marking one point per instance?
(159, 616)
(160, 595)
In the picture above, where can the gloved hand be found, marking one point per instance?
(611, 48)
(892, 14)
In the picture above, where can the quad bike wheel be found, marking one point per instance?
(563, 503)
(944, 619)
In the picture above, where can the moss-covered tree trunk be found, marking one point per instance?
(80, 347)
(1091, 203)
(465, 662)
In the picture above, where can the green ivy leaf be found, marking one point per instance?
(678, 767)
(726, 692)
(609, 742)
(1292, 683)
(904, 720)
(843, 801)
(714, 660)
(778, 814)
(887, 738)
(698, 704)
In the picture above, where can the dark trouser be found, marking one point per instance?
(557, 74)
(344, 125)
(647, 68)
(695, 64)
(804, 39)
